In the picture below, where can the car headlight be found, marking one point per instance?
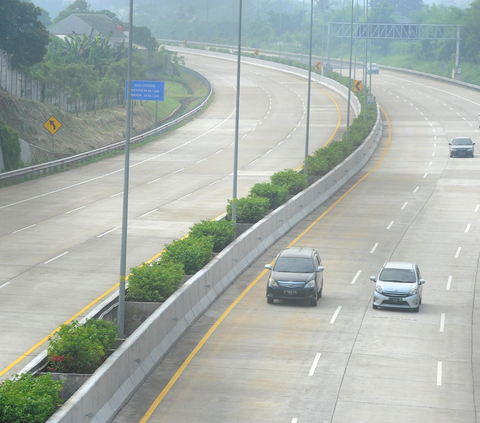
(379, 289)
(272, 282)
(413, 291)
(470, 149)
(310, 284)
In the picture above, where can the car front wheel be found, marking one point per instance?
(270, 300)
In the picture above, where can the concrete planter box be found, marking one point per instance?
(71, 383)
(136, 312)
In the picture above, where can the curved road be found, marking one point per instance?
(342, 361)
(60, 235)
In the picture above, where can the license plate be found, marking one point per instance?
(396, 300)
(291, 292)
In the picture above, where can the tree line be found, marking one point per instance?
(84, 68)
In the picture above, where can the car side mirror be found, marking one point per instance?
(473, 143)
(449, 143)
(320, 269)
(268, 266)
(373, 278)
(421, 281)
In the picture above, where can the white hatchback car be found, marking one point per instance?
(398, 285)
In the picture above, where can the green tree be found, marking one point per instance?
(143, 37)
(22, 36)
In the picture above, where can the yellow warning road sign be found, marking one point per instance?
(52, 125)
(358, 85)
(318, 66)
(257, 52)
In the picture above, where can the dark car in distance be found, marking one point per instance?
(296, 275)
(462, 146)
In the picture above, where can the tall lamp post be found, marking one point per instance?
(123, 259)
(350, 74)
(305, 167)
(237, 117)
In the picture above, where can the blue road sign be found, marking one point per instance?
(147, 90)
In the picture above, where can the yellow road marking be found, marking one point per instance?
(187, 361)
(336, 128)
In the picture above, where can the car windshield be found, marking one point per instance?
(294, 265)
(465, 141)
(397, 275)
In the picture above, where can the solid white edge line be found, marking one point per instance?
(5, 284)
(439, 373)
(314, 364)
(390, 225)
(356, 276)
(60, 255)
(442, 322)
(374, 248)
(105, 233)
(20, 230)
(78, 208)
(404, 205)
(449, 282)
(457, 254)
(468, 228)
(335, 314)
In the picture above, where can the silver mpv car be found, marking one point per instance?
(399, 285)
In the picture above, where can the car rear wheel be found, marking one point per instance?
(270, 300)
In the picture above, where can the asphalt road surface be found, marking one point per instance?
(60, 236)
(342, 361)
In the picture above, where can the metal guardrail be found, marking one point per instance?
(53, 166)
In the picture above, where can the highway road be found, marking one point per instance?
(342, 361)
(60, 236)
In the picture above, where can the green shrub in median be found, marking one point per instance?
(28, 399)
(276, 194)
(192, 252)
(222, 232)
(78, 348)
(11, 148)
(249, 209)
(293, 181)
(154, 282)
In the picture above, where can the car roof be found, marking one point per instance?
(398, 265)
(297, 252)
(462, 138)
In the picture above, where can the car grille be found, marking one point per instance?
(292, 285)
(396, 294)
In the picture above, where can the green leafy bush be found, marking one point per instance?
(154, 282)
(249, 209)
(10, 145)
(29, 399)
(222, 232)
(78, 348)
(193, 253)
(293, 181)
(276, 194)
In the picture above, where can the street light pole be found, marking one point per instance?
(350, 74)
(305, 167)
(237, 117)
(123, 260)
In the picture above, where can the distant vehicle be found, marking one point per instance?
(462, 146)
(373, 68)
(296, 275)
(398, 285)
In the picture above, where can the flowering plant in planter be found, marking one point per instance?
(78, 348)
